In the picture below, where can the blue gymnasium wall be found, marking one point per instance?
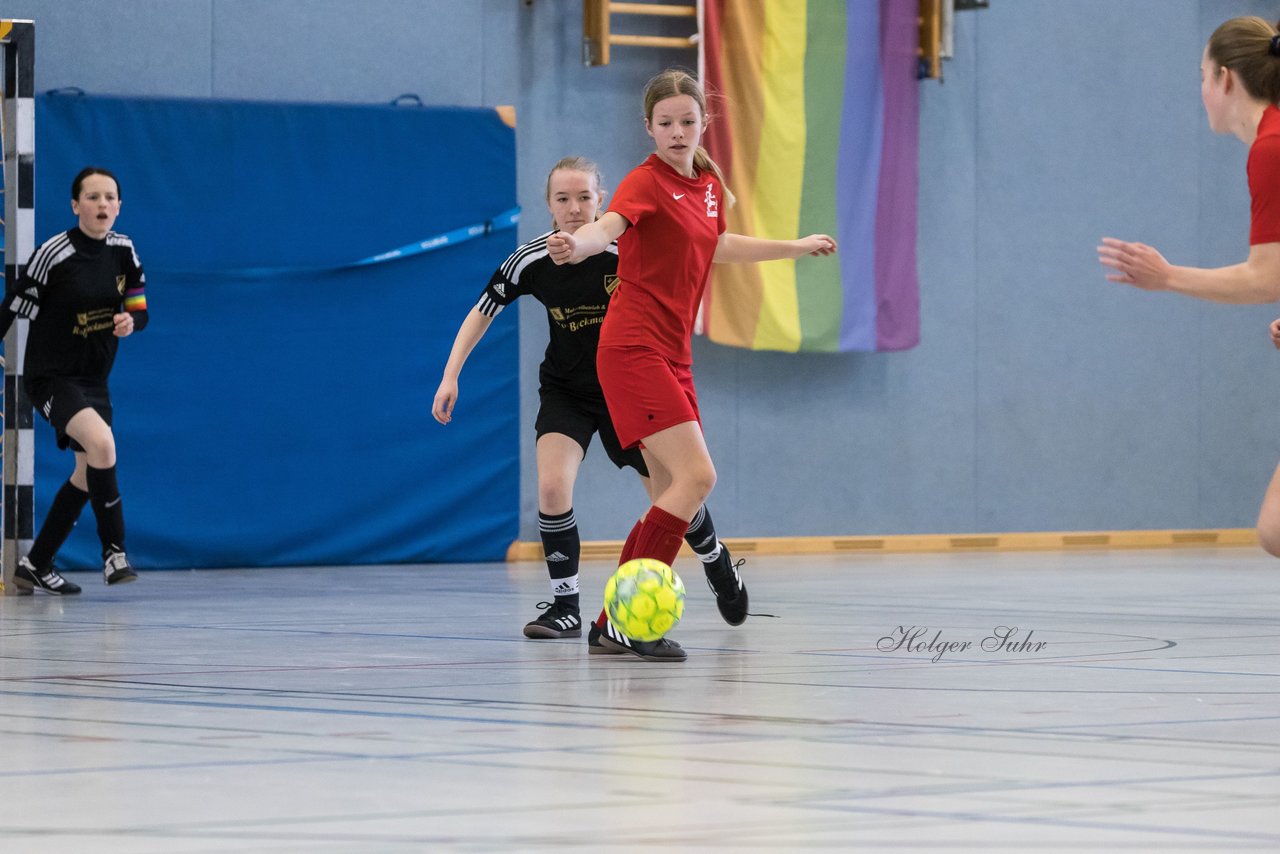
(1041, 398)
(273, 411)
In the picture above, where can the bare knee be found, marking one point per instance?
(94, 435)
(555, 495)
(100, 450)
(1269, 523)
(697, 481)
(707, 482)
(1269, 538)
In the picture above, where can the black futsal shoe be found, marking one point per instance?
(116, 569)
(613, 641)
(594, 647)
(557, 621)
(28, 578)
(726, 583)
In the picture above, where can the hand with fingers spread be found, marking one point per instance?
(1136, 264)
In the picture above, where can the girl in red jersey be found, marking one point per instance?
(571, 407)
(1240, 85)
(667, 219)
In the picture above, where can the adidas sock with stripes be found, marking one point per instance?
(702, 538)
(562, 548)
(63, 514)
(104, 495)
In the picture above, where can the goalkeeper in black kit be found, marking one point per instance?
(82, 290)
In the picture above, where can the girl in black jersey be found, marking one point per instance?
(572, 406)
(82, 290)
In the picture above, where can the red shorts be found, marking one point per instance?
(646, 392)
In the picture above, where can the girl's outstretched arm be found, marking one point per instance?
(591, 239)
(1255, 280)
(740, 249)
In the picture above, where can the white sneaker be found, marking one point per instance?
(116, 569)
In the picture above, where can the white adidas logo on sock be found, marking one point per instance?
(556, 557)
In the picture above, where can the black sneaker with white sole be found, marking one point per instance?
(726, 583)
(557, 621)
(27, 577)
(612, 641)
(116, 569)
(594, 647)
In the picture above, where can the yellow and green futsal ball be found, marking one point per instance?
(644, 599)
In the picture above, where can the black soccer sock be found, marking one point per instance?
(57, 526)
(104, 495)
(702, 538)
(562, 547)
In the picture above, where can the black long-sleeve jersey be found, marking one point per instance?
(576, 297)
(71, 289)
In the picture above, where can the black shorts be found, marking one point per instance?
(58, 400)
(578, 416)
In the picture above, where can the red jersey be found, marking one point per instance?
(664, 257)
(1264, 180)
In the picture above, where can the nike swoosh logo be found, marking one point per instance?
(677, 198)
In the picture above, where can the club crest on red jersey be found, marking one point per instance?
(713, 207)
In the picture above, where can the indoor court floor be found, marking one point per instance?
(1130, 703)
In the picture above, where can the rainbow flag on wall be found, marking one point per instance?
(816, 128)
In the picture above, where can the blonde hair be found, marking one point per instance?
(1250, 47)
(575, 163)
(670, 84)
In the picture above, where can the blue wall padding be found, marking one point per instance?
(285, 418)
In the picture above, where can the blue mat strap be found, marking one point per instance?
(506, 219)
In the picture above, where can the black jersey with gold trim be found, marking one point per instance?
(71, 289)
(576, 297)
